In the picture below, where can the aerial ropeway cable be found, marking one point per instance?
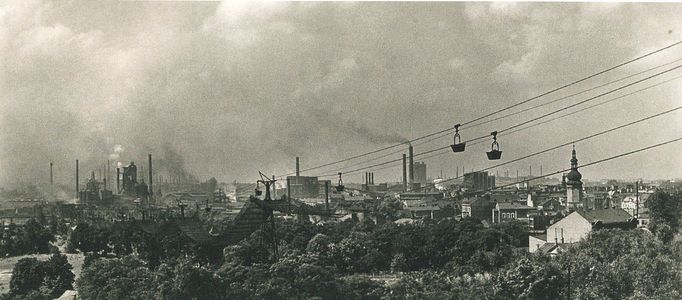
(457, 138)
(558, 146)
(493, 154)
(585, 165)
(499, 110)
(560, 117)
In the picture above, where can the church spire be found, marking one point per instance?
(574, 159)
(573, 177)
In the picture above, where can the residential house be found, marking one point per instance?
(579, 224)
(478, 208)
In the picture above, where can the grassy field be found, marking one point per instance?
(7, 264)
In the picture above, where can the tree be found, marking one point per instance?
(356, 254)
(361, 287)
(34, 238)
(389, 208)
(88, 238)
(618, 264)
(532, 277)
(58, 275)
(117, 278)
(27, 276)
(398, 263)
(182, 279)
(665, 212)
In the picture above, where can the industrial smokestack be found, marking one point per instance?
(118, 180)
(366, 178)
(51, 178)
(411, 165)
(151, 189)
(404, 172)
(77, 190)
(298, 170)
(371, 178)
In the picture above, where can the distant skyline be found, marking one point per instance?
(229, 89)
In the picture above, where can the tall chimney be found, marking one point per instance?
(371, 178)
(366, 178)
(404, 172)
(77, 179)
(118, 180)
(151, 189)
(51, 178)
(298, 170)
(411, 165)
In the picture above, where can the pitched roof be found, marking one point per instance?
(507, 205)
(606, 216)
(549, 247)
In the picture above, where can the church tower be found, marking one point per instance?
(574, 185)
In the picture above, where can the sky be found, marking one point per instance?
(229, 89)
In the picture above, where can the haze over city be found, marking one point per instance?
(226, 89)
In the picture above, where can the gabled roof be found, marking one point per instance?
(605, 216)
(507, 205)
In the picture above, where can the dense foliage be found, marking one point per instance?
(34, 279)
(444, 259)
(32, 238)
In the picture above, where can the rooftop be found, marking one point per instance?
(605, 216)
(508, 205)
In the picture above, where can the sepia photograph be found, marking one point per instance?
(340, 150)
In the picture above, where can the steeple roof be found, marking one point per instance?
(573, 177)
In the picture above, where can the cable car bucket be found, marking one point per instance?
(495, 152)
(457, 145)
(340, 187)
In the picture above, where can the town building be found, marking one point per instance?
(478, 181)
(574, 185)
(629, 203)
(509, 211)
(304, 186)
(579, 224)
(478, 208)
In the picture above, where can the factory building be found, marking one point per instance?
(304, 186)
(478, 181)
(420, 173)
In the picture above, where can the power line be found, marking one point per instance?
(575, 82)
(529, 121)
(574, 94)
(514, 113)
(592, 163)
(592, 98)
(564, 144)
(498, 111)
(556, 118)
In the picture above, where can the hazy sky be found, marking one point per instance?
(234, 88)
